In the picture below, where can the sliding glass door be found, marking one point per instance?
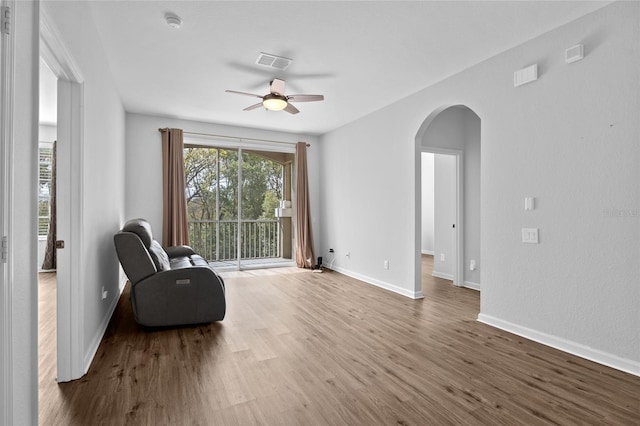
(212, 202)
(234, 205)
(262, 190)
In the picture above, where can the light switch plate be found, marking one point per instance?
(529, 203)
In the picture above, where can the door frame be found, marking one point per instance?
(7, 60)
(460, 189)
(70, 178)
(18, 212)
(419, 148)
(240, 144)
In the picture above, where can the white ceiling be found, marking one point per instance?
(361, 55)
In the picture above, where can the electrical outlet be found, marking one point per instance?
(441, 257)
(104, 293)
(385, 264)
(348, 255)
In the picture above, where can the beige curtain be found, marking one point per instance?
(304, 248)
(175, 230)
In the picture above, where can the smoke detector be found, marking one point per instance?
(173, 21)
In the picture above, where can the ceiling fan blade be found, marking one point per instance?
(244, 93)
(249, 108)
(291, 109)
(277, 86)
(305, 98)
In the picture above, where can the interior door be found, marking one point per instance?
(69, 176)
(63, 231)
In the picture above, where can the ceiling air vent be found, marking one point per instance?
(273, 61)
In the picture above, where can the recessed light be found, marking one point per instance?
(173, 21)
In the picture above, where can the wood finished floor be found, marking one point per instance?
(299, 348)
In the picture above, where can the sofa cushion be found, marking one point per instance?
(141, 228)
(159, 256)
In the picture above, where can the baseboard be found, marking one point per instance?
(582, 351)
(97, 338)
(381, 284)
(472, 285)
(442, 275)
(429, 252)
(123, 281)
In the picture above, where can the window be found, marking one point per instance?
(45, 173)
(219, 228)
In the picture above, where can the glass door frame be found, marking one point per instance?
(209, 141)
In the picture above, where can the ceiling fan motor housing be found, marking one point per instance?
(274, 96)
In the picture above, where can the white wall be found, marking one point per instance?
(102, 195)
(569, 139)
(367, 201)
(427, 203)
(144, 164)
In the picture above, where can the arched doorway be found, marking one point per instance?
(452, 134)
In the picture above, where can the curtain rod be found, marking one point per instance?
(234, 137)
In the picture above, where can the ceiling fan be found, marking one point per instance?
(276, 100)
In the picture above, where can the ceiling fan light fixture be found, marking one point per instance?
(274, 103)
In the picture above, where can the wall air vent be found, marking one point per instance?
(273, 61)
(525, 75)
(574, 53)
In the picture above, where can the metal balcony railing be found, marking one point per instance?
(217, 240)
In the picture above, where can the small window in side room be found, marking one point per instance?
(45, 170)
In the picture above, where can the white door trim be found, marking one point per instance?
(70, 293)
(18, 350)
(7, 58)
(55, 53)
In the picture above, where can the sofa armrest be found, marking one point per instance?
(179, 251)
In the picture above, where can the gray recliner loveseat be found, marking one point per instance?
(172, 286)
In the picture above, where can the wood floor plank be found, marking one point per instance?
(300, 348)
